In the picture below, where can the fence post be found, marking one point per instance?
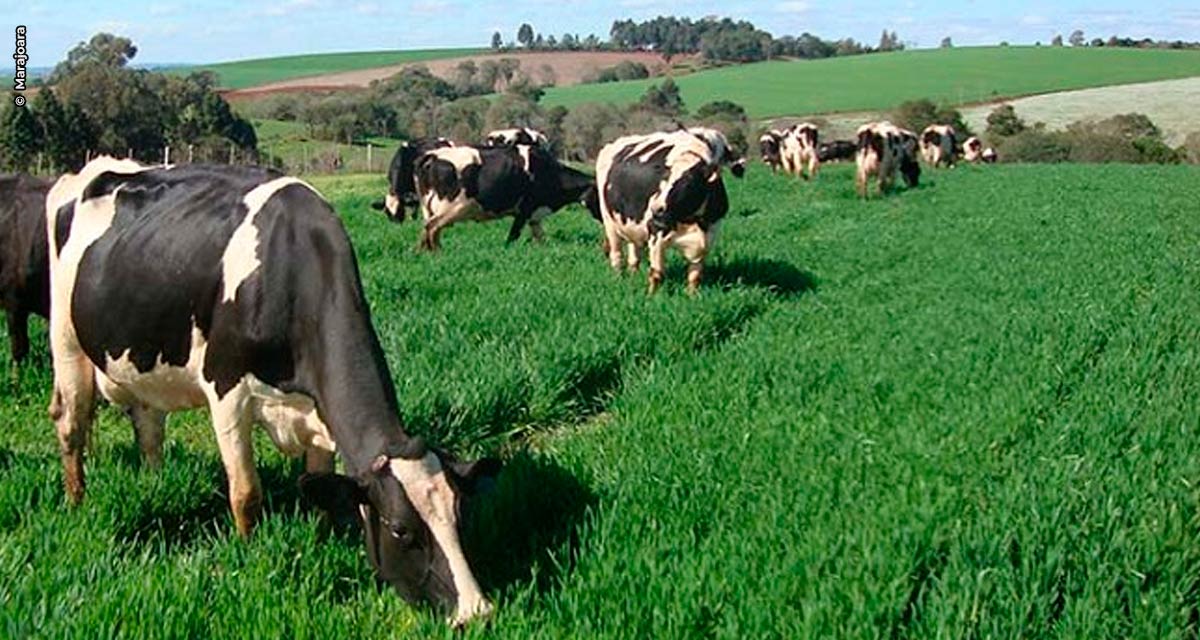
(304, 167)
(191, 148)
(231, 153)
(166, 155)
(129, 153)
(368, 157)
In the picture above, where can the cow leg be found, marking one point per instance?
(18, 333)
(518, 225)
(232, 423)
(612, 245)
(148, 431)
(633, 257)
(658, 260)
(72, 408)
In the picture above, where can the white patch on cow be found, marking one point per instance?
(391, 203)
(240, 259)
(428, 490)
(164, 387)
(524, 150)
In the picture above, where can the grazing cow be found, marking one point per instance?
(770, 144)
(237, 289)
(513, 137)
(799, 153)
(24, 263)
(989, 155)
(401, 173)
(837, 150)
(938, 145)
(972, 149)
(663, 189)
(885, 149)
(487, 183)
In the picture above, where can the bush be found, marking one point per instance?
(626, 70)
(588, 127)
(1129, 138)
(1035, 145)
(722, 109)
(915, 115)
(1003, 122)
(1191, 147)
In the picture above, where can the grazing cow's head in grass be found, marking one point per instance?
(403, 506)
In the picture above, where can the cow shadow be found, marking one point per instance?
(776, 276)
(526, 527)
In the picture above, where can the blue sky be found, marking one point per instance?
(215, 30)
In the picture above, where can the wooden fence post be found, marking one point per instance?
(368, 157)
(166, 155)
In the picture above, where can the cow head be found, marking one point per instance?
(768, 144)
(405, 508)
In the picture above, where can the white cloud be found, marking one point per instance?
(1034, 20)
(368, 8)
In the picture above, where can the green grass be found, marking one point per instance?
(241, 74)
(290, 142)
(881, 81)
(967, 410)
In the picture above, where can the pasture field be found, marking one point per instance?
(881, 81)
(967, 410)
(240, 74)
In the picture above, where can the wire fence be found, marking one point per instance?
(293, 159)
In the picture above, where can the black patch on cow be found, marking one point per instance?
(438, 175)
(24, 256)
(836, 150)
(632, 182)
(62, 225)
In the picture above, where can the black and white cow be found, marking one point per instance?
(513, 137)
(663, 189)
(770, 145)
(401, 175)
(973, 149)
(989, 155)
(24, 262)
(799, 152)
(939, 145)
(885, 150)
(837, 150)
(237, 289)
(487, 183)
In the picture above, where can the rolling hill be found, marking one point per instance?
(880, 81)
(248, 73)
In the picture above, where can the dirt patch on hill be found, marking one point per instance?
(564, 67)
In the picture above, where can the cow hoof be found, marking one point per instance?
(480, 611)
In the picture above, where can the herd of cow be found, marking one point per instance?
(237, 289)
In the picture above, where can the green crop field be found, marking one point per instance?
(249, 73)
(880, 81)
(965, 410)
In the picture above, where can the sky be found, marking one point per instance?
(218, 30)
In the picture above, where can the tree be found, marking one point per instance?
(20, 140)
(497, 41)
(1077, 38)
(722, 109)
(885, 41)
(1003, 122)
(896, 44)
(52, 121)
(663, 100)
(103, 49)
(1057, 41)
(947, 43)
(525, 35)
(82, 133)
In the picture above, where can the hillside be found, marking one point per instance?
(880, 81)
(248, 73)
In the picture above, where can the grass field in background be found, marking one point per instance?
(881, 81)
(241, 74)
(966, 410)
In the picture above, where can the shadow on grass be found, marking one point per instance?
(776, 276)
(526, 527)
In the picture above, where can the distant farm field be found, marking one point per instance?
(966, 410)
(248, 73)
(881, 81)
(1171, 104)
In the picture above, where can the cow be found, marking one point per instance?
(972, 149)
(24, 261)
(663, 189)
(401, 174)
(885, 149)
(770, 145)
(836, 151)
(514, 137)
(799, 153)
(989, 155)
(487, 183)
(938, 145)
(237, 289)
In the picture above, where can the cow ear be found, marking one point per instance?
(331, 492)
(475, 475)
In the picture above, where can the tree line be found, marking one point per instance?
(723, 40)
(93, 102)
